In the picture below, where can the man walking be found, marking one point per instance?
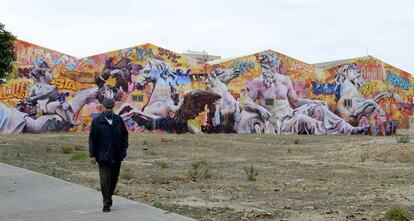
(108, 143)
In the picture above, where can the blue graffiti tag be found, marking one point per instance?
(125, 52)
(62, 96)
(242, 66)
(325, 88)
(398, 81)
(141, 52)
(183, 78)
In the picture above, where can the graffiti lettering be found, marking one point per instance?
(171, 55)
(372, 71)
(18, 90)
(82, 77)
(369, 88)
(140, 53)
(64, 83)
(296, 66)
(243, 66)
(325, 89)
(196, 78)
(398, 81)
(125, 52)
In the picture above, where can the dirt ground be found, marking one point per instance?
(206, 176)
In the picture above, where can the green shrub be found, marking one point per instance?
(79, 147)
(364, 157)
(402, 138)
(251, 172)
(199, 170)
(161, 164)
(396, 213)
(79, 157)
(166, 140)
(66, 150)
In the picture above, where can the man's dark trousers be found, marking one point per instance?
(109, 173)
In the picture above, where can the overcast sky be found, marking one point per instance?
(309, 30)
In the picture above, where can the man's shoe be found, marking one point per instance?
(106, 209)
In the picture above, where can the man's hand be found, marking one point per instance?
(92, 160)
(264, 113)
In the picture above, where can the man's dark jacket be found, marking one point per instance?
(108, 143)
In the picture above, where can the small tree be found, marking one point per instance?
(7, 55)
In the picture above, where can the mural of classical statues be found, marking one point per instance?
(284, 112)
(348, 78)
(15, 121)
(42, 111)
(44, 97)
(121, 71)
(161, 112)
(226, 111)
(250, 94)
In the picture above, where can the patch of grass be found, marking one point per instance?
(363, 157)
(321, 179)
(397, 213)
(79, 157)
(251, 172)
(166, 140)
(199, 170)
(296, 141)
(402, 138)
(127, 174)
(149, 152)
(79, 147)
(48, 149)
(66, 150)
(4, 155)
(161, 164)
(145, 142)
(396, 177)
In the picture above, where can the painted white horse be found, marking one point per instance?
(349, 79)
(225, 111)
(165, 87)
(161, 112)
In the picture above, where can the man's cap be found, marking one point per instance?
(108, 103)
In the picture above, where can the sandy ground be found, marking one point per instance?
(298, 177)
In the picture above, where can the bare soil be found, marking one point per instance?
(298, 177)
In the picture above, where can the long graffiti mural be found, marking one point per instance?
(372, 91)
(162, 91)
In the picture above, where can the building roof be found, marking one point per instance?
(219, 61)
(330, 64)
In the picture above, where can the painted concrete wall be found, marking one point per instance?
(159, 90)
